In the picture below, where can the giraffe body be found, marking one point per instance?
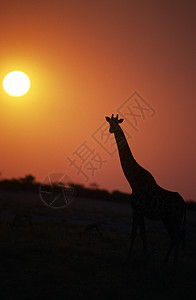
(148, 199)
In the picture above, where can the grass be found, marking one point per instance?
(58, 261)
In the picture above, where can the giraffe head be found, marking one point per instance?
(114, 123)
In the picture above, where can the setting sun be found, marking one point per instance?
(16, 83)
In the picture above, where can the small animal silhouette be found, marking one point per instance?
(148, 199)
(94, 227)
(19, 220)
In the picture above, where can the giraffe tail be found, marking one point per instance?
(183, 227)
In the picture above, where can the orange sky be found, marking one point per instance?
(85, 58)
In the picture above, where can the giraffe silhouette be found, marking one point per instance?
(148, 199)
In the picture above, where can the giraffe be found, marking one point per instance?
(148, 199)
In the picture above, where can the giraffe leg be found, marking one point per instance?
(168, 252)
(175, 234)
(169, 229)
(177, 250)
(133, 234)
(179, 233)
(178, 240)
(174, 220)
(175, 245)
(143, 237)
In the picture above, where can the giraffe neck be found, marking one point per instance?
(126, 157)
(137, 176)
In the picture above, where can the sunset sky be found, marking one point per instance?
(85, 59)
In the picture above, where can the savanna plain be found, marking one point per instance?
(78, 252)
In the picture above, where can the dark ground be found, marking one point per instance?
(56, 260)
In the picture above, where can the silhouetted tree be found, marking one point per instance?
(28, 179)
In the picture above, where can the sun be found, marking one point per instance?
(16, 83)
